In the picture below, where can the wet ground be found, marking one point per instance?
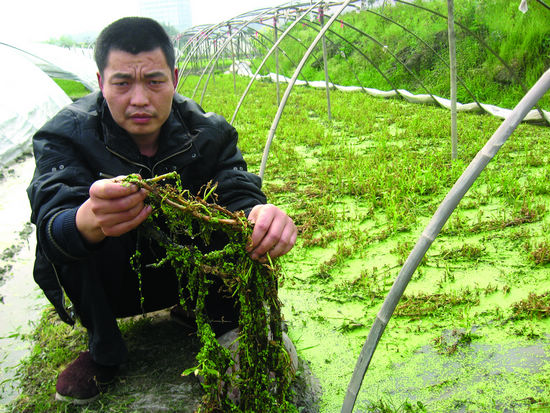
(495, 377)
(503, 366)
(21, 302)
(496, 366)
(159, 348)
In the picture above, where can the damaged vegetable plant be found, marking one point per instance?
(263, 374)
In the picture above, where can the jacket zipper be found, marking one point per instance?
(129, 161)
(151, 170)
(185, 149)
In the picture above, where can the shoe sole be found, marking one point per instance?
(73, 400)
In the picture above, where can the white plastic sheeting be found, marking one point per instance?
(241, 69)
(60, 62)
(29, 99)
(533, 116)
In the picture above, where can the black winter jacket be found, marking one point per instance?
(82, 144)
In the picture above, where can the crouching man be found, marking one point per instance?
(87, 226)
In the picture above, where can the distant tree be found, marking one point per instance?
(64, 41)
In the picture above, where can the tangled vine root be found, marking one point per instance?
(263, 376)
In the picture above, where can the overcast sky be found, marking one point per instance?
(42, 19)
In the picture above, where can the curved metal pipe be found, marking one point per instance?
(217, 57)
(266, 57)
(228, 40)
(264, 46)
(362, 54)
(196, 39)
(482, 42)
(384, 47)
(263, 37)
(212, 29)
(284, 52)
(291, 85)
(433, 228)
(309, 25)
(429, 47)
(212, 62)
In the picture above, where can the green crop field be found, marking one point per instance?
(361, 190)
(471, 331)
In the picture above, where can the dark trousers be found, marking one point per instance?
(104, 287)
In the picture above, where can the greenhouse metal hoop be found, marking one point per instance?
(452, 199)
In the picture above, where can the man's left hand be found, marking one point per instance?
(274, 232)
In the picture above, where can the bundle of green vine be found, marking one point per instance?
(263, 375)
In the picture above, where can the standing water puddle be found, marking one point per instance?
(21, 301)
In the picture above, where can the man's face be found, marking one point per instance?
(139, 90)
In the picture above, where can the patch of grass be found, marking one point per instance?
(343, 253)
(431, 305)
(387, 406)
(57, 345)
(541, 254)
(465, 252)
(370, 181)
(159, 350)
(361, 190)
(421, 66)
(75, 90)
(534, 306)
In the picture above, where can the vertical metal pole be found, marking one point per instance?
(233, 58)
(452, 57)
(239, 54)
(325, 63)
(204, 59)
(194, 62)
(276, 37)
(292, 82)
(201, 54)
(214, 50)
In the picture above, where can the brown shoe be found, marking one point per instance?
(82, 380)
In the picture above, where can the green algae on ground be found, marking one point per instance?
(359, 200)
(359, 206)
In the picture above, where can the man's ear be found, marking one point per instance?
(99, 81)
(175, 78)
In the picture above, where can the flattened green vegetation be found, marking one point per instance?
(361, 190)
(471, 332)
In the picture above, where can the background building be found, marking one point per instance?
(176, 13)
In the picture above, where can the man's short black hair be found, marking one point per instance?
(133, 35)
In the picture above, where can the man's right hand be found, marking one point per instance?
(113, 209)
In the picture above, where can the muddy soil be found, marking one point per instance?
(21, 302)
(159, 350)
(151, 381)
